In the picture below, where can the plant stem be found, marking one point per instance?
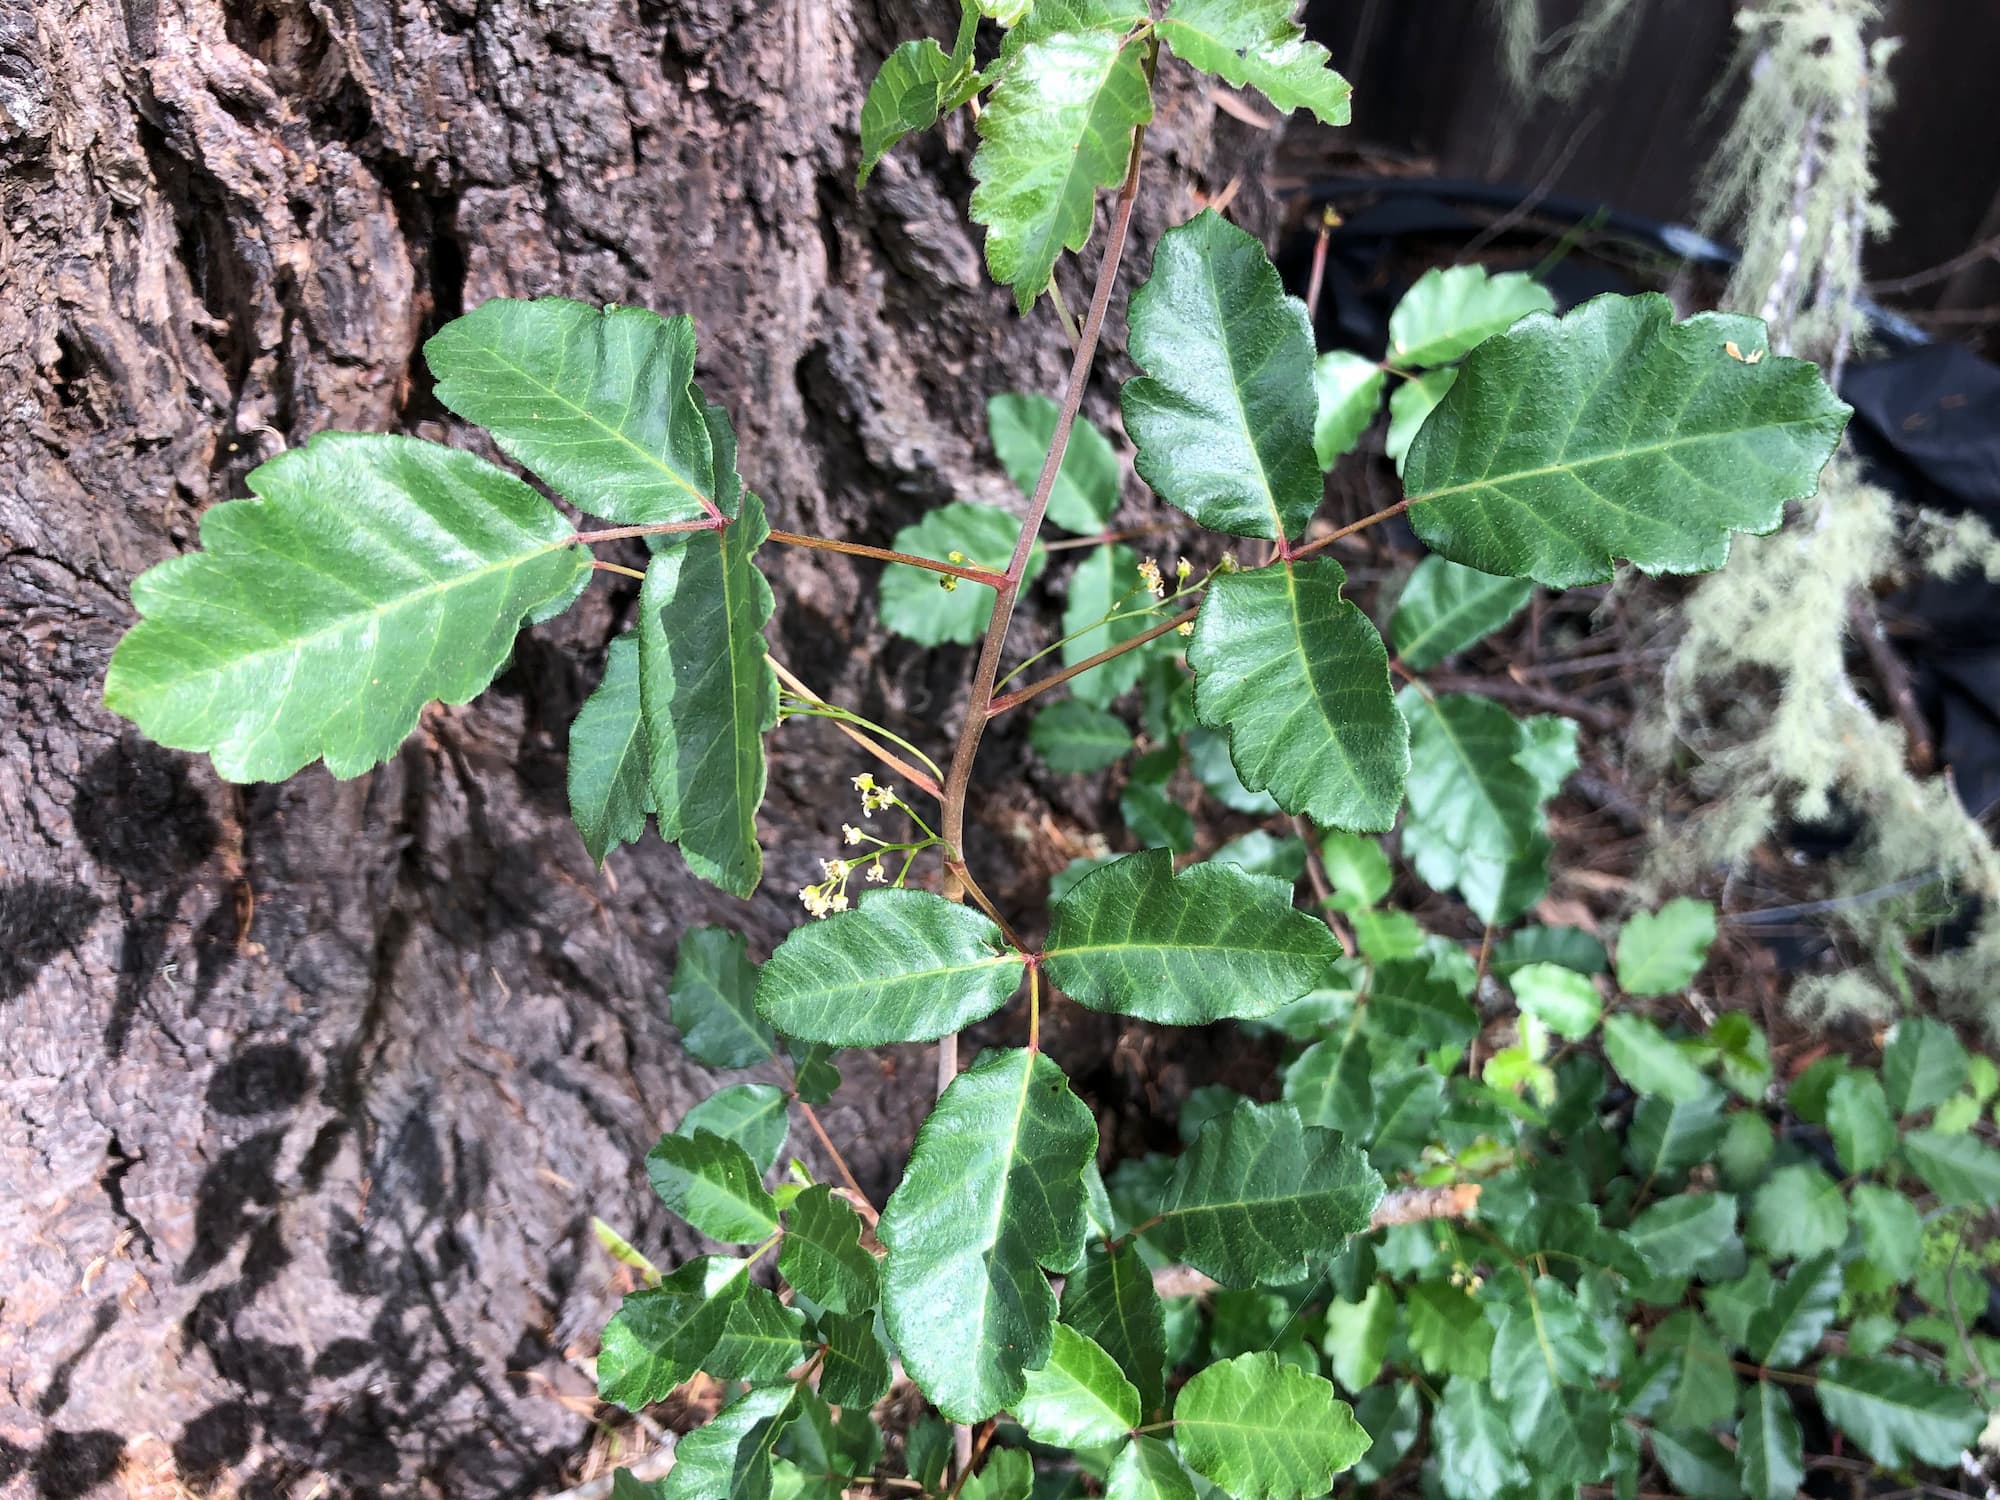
(604, 567)
(986, 576)
(888, 757)
(1351, 527)
(958, 780)
(839, 1162)
(1151, 528)
(657, 528)
(1056, 679)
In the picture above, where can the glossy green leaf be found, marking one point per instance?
(1667, 1136)
(814, 1076)
(1347, 389)
(1445, 608)
(1261, 1197)
(753, 1115)
(1262, 853)
(1475, 808)
(660, 1336)
(1085, 496)
(1898, 1411)
(1961, 1169)
(1257, 1427)
(729, 1457)
(1356, 868)
(1357, 1337)
(712, 1183)
(1256, 44)
(708, 695)
(1223, 418)
(1105, 583)
(1078, 1398)
(714, 999)
(1330, 1085)
(910, 90)
(1407, 1002)
(1677, 1234)
(1009, 1475)
(1616, 432)
(1300, 679)
(822, 1255)
(1133, 938)
(1798, 1212)
(1685, 1382)
(1110, 1299)
(992, 1195)
(609, 798)
(1651, 1063)
(1157, 820)
(1147, 1469)
(1659, 953)
(1073, 737)
(1056, 129)
(831, 1452)
(600, 402)
(903, 966)
(1477, 1458)
(1892, 1231)
(369, 576)
(761, 1339)
(1858, 1119)
(1448, 1330)
(1770, 1451)
(1452, 310)
(915, 601)
(856, 1372)
(1922, 1066)
(1410, 406)
(1571, 947)
(1802, 1306)
(1560, 998)
(1208, 758)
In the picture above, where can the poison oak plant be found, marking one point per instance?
(373, 574)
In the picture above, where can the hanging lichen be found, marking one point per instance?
(1557, 64)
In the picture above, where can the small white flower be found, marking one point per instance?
(877, 875)
(850, 833)
(1149, 575)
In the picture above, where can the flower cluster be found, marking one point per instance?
(829, 895)
(873, 798)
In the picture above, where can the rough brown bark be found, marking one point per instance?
(308, 1092)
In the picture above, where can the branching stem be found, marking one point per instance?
(1056, 679)
(984, 576)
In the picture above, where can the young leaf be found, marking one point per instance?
(729, 1458)
(1798, 1212)
(660, 1336)
(600, 402)
(1770, 1452)
(1056, 129)
(1476, 1455)
(1410, 406)
(1858, 1119)
(1562, 999)
(1147, 1469)
(1347, 389)
(814, 1076)
(915, 603)
(993, 1193)
(1357, 1337)
(1104, 583)
(1644, 439)
(1357, 869)
(1215, 941)
(1659, 953)
(1074, 737)
(609, 797)
(1261, 1197)
(1961, 1169)
(369, 576)
(1258, 1427)
(856, 1372)
(1257, 44)
(822, 1254)
(1300, 679)
(1446, 608)
(1898, 1411)
(750, 1114)
(910, 91)
(1078, 1398)
(1208, 758)
(712, 1183)
(1448, 1332)
(761, 1339)
(708, 695)
(1452, 310)
(903, 966)
(1223, 418)
(1111, 1300)
(1085, 496)
(1651, 1063)
(714, 1000)
(1261, 853)
(1922, 1066)
(1790, 1327)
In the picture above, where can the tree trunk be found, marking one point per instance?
(311, 1090)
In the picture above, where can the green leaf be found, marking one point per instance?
(1085, 496)
(1800, 1310)
(753, 1115)
(627, 1486)
(1257, 1427)
(1147, 1469)
(1476, 1454)
(1261, 1197)
(1474, 821)
(1009, 1475)
(609, 798)
(1223, 418)
(1641, 1053)
(1078, 1398)
(1922, 1066)
(1111, 1300)
(903, 966)
(1898, 1411)
(1406, 1002)
(993, 1193)
(1659, 953)
(1892, 1231)
(909, 93)
(1697, 1465)
(1685, 1382)
(1256, 44)
(1644, 439)
(1261, 853)
(1074, 737)
(660, 1336)
(1106, 582)
(1770, 1452)
(1667, 1137)
(761, 1339)
(1410, 406)
(729, 1458)
(599, 402)
(1451, 311)
(1056, 129)
(856, 1372)
(1448, 1331)
(1560, 998)
(1394, 1417)
(1357, 1337)
(369, 576)
(1300, 679)
(1677, 1234)
(1133, 938)
(823, 1256)
(1961, 1169)
(1156, 820)
(814, 1076)
(714, 1000)
(1329, 1084)
(1798, 1212)
(1356, 868)
(1208, 758)
(1571, 947)
(915, 603)
(712, 1183)
(1858, 1119)
(1445, 608)
(1348, 391)
(831, 1452)
(708, 694)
